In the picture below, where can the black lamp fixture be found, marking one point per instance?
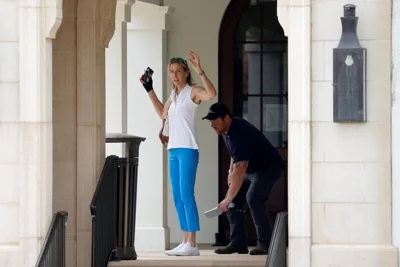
(349, 72)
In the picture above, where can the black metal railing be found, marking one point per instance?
(126, 215)
(53, 250)
(103, 210)
(279, 242)
(113, 207)
(126, 195)
(280, 238)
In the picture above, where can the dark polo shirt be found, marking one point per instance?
(246, 143)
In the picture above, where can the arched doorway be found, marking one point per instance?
(254, 84)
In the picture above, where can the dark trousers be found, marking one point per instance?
(255, 191)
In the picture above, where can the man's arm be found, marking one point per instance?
(230, 171)
(239, 170)
(230, 167)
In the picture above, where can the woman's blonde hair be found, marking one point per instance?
(185, 66)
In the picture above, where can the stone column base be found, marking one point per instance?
(354, 255)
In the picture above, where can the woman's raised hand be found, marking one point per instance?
(195, 62)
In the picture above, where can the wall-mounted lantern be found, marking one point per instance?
(349, 72)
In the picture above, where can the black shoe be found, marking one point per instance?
(259, 250)
(231, 249)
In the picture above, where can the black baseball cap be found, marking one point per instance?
(217, 110)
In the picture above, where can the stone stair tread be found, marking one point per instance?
(207, 258)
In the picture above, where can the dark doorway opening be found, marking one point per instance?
(253, 82)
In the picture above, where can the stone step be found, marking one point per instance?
(207, 258)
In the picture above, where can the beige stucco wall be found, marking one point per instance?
(351, 163)
(195, 25)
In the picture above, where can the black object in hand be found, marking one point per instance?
(147, 80)
(147, 74)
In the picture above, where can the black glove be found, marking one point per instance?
(147, 85)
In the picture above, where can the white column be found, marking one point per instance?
(35, 151)
(295, 19)
(147, 47)
(116, 77)
(9, 134)
(396, 124)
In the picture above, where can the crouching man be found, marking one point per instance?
(255, 166)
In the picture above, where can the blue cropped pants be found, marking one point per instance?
(182, 171)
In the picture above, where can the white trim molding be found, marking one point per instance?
(396, 125)
(53, 15)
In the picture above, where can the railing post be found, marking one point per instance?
(277, 248)
(52, 252)
(126, 195)
(103, 210)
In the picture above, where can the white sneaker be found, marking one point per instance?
(172, 251)
(187, 250)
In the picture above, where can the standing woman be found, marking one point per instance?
(181, 109)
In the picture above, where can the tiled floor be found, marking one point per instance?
(207, 258)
